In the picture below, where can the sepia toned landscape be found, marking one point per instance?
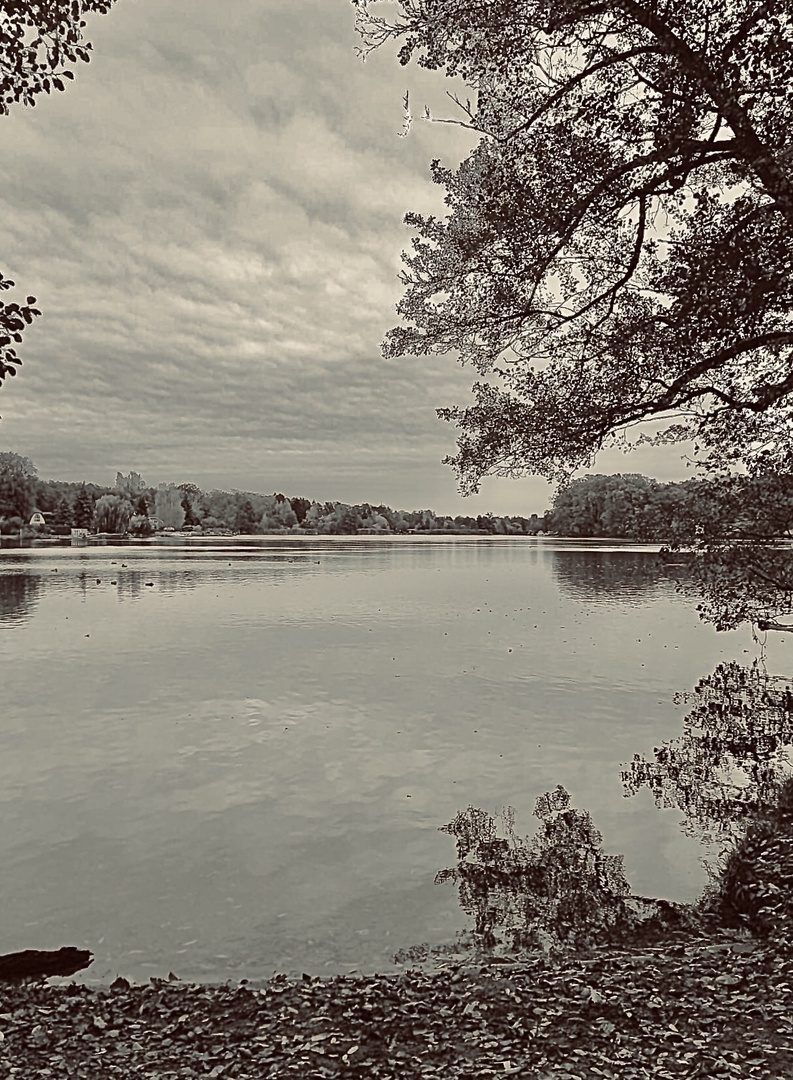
(358, 721)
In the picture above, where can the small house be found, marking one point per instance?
(38, 518)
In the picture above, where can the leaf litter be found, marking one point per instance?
(701, 1007)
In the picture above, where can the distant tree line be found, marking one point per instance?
(131, 506)
(629, 506)
(624, 506)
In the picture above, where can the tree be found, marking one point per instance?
(219, 509)
(168, 506)
(140, 525)
(38, 40)
(245, 521)
(284, 514)
(63, 518)
(619, 243)
(17, 486)
(112, 514)
(755, 883)
(621, 505)
(189, 518)
(83, 509)
(191, 501)
(300, 507)
(129, 487)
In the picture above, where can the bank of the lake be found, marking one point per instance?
(686, 1008)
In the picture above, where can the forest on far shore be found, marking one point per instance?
(624, 506)
(134, 507)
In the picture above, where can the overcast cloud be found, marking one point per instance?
(210, 217)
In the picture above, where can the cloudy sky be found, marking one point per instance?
(211, 220)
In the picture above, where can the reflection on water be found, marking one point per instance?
(624, 574)
(729, 772)
(18, 596)
(225, 759)
(732, 755)
(558, 889)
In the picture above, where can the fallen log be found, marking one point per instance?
(37, 963)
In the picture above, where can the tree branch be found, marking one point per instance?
(618, 58)
(751, 148)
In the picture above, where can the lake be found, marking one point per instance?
(225, 758)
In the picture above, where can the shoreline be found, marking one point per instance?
(689, 1007)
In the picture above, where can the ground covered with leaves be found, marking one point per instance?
(690, 1008)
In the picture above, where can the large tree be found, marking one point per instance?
(112, 514)
(168, 506)
(17, 486)
(83, 508)
(39, 40)
(619, 243)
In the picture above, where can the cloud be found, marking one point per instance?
(211, 219)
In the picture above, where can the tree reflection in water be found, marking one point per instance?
(737, 533)
(626, 575)
(732, 756)
(19, 595)
(729, 772)
(556, 890)
(742, 582)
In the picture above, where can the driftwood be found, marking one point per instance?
(38, 963)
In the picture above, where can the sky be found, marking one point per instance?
(211, 220)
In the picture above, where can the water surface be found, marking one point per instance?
(226, 758)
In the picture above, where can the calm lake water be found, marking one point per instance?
(228, 758)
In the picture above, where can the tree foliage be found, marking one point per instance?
(245, 519)
(217, 511)
(755, 886)
(112, 514)
(83, 508)
(619, 243)
(168, 506)
(63, 516)
(738, 529)
(39, 41)
(623, 505)
(17, 486)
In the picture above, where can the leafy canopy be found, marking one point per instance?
(619, 244)
(38, 42)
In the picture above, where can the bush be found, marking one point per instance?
(754, 887)
(11, 525)
(140, 525)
